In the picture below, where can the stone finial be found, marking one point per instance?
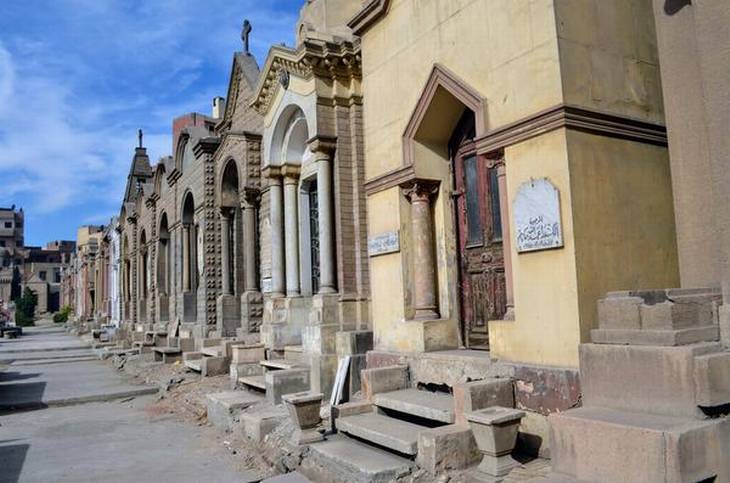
(139, 136)
(245, 33)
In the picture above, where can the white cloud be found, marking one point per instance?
(74, 91)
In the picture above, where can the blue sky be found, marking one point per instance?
(79, 77)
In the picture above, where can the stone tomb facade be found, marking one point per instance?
(315, 278)
(188, 227)
(478, 99)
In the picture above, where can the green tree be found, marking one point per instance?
(25, 307)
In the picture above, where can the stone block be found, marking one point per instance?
(712, 380)
(450, 367)
(258, 424)
(655, 380)
(471, 396)
(545, 390)
(247, 354)
(628, 446)
(619, 312)
(450, 447)
(383, 379)
(354, 342)
(278, 336)
(224, 408)
(237, 371)
(352, 408)
(659, 309)
(323, 370)
(186, 344)
(214, 366)
(286, 381)
(534, 436)
(667, 338)
(319, 338)
(200, 343)
(354, 381)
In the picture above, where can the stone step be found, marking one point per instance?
(194, 364)
(256, 382)
(391, 433)
(435, 406)
(279, 364)
(344, 459)
(599, 444)
(293, 353)
(212, 351)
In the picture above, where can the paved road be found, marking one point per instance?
(77, 423)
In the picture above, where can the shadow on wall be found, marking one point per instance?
(673, 6)
(12, 457)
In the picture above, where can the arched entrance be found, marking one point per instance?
(163, 268)
(230, 221)
(189, 260)
(126, 285)
(143, 280)
(463, 278)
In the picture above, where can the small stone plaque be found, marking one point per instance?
(537, 216)
(383, 243)
(266, 285)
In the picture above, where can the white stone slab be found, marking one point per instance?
(536, 209)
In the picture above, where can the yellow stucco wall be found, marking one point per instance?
(524, 56)
(516, 69)
(608, 56)
(623, 217)
(546, 326)
(506, 49)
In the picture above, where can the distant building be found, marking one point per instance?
(30, 266)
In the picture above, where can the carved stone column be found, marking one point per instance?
(322, 148)
(250, 240)
(225, 252)
(276, 214)
(291, 227)
(420, 193)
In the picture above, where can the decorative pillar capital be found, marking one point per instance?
(290, 172)
(250, 197)
(420, 190)
(271, 172)
(322, 146)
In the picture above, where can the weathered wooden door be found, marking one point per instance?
(479, 232)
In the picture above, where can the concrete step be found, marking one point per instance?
(344, 459)
(435, 406)
(391, 433)
(212, 351)
(255, 382)
(194, 364)
(279, 364)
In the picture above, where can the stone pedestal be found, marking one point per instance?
(654, 374)
(252, 310)
(319, 341)
(495, 431)
(304, 411)
(228, 317)
(283, 320)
